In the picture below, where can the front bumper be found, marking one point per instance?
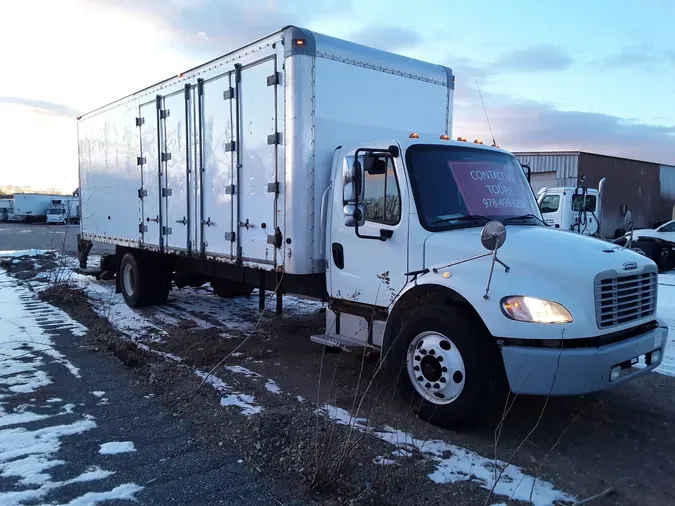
(576, 371)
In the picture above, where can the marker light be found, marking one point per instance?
(478, 141)
(445, 137)
(414, 135)
(461, 139)
(299, 42)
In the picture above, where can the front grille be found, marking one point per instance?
(622, 299)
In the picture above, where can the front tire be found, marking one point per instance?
(451, 370)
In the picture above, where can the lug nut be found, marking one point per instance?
(444, 369)
(428, 385)
(420, 378)
(432, 352)
(416, 368)
(437, 386)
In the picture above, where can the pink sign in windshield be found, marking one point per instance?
(493, 189)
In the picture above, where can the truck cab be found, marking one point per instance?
(569, 208)
(419, 267)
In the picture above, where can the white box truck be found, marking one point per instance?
(64, 210)
(31, 207)
(306, 164)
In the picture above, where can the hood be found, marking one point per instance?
(536, 247)
(545, 263)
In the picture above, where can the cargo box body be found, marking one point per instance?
(229, 161)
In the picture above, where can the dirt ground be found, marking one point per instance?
(584, 445)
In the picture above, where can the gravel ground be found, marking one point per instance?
(582, 445)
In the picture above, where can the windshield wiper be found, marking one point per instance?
(468, 217)
(525, 216)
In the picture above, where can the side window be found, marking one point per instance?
(550, 204)
(381, 195)
(577, 203)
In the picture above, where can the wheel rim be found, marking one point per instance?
(128, 277)
(436, 368)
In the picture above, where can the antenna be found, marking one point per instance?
(494, 142)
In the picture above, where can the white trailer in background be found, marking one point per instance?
(5, 206)
(64, 210)
(31, 207)
(307, 164)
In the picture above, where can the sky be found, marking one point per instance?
(596, 76)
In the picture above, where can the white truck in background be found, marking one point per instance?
(5, 206)
(64, 210)
(30, 207)
(578, 209)
(307, 164)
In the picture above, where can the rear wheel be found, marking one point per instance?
(142, 281)
(227, 289)
(451, 372)
(135, 282)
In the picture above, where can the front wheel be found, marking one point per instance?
(451, 370)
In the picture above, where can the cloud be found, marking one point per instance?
(645, 56)
(389, 38)
(219, 26)
(41, 106)
(524, 125)
(538, 58)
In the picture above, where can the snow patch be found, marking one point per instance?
(98, 393)
(666, 311)
(382, 461)
(126, 491)
(272, 386)
(455, 464)
(115, 447)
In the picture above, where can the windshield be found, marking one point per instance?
(53, 212)
(452, 181)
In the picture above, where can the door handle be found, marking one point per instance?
(183, 221)
(156, 220)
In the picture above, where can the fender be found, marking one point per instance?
(417, 294)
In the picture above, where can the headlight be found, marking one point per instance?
(528, 309)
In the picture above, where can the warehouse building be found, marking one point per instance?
(646, 188)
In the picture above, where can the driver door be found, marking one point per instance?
(362, 267)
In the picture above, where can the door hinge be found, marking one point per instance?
(166, 230)
(230, 236)
(142, 228)
(166, 157)
(274, 79)
(164, 113)
(140, 160)
(140, 121)
(142, 193)
(230, 146)
(273, 187)
(228, 94)
(167, 192)
(275, 238)
(230, 189)
(274, 138)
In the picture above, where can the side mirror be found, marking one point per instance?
(493, 235)
(354, 215)
(628, 218)
(353, 181)
(374, 166)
